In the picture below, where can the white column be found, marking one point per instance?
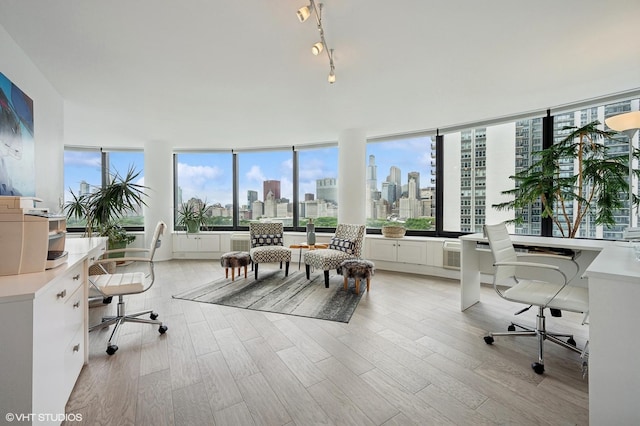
(352, 150)
(158, 177)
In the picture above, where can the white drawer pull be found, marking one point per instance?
(62, 294)
(77, 304)
(76, 277)
(76, 348)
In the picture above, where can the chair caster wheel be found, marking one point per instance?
(111, 349)
(488, 340)
(162, 329)
(571, 341)
(107, 300)
(537, 367)
(511, 328)
(153, 315)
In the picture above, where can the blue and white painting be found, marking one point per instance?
(17, 147)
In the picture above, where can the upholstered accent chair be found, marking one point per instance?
(345, 244)
(267, 245)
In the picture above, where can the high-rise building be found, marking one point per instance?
(389, 192)
(85, 188)
(395, 176)
(473, 172)
(270, 205)
(372, 186)
(273, 186)
(309, 197)
(416, 177)
(327, 190)
(251, 197)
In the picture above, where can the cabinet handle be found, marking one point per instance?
(76, 277)
(62, 294)
(92, 258)
(77, 304)
(76, 348)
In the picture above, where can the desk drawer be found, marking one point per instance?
(73, 360)
(73, 313)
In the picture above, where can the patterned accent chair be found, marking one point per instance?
(345, 244)
(267, 245)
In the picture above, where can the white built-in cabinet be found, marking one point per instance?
(44, 333)
(192, 243)
(417, 255)
(397, 250)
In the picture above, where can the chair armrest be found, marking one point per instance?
(529, 264)
(123, 259)
(126, 250)
(566, 263)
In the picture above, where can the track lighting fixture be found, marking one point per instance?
(303, 14)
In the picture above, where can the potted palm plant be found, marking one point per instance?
(103, 209)
(192, 215)
(599, 184)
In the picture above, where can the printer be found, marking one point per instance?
(31, 240)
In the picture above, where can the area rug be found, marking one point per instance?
(273, 292)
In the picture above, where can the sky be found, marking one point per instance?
(208, 176)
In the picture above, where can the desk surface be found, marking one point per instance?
(530, 240)
(616, 262)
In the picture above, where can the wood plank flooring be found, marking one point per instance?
(408, 356)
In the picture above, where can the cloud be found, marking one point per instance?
(255, 175)
(82, 159)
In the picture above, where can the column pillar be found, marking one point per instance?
(352, 150)
(158, 177)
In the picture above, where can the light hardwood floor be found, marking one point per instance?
(408, 356)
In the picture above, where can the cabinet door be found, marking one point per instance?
(382, 249)
(186, 243)
(412, 252)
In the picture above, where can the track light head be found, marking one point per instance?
(303, 13)
(332, 77)
(317, 48)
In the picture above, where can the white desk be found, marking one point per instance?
(471, 259)
(614, 337)
(44, 329)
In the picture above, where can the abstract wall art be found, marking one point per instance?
(17, 146)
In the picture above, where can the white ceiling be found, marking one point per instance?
(238, 73)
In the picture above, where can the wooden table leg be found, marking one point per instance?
(357, 285)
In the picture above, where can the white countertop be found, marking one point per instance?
(530, 240)
(616, 261)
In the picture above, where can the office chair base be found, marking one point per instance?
(121, 318)
(542, 334)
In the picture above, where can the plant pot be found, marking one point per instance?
(115, 246)
(193, 227)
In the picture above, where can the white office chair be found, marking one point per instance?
(519, 278)
(122, 284)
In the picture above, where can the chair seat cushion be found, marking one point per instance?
(326, 259)
(533, 292)
(270, 254)
(116, 284)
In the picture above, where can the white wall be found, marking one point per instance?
(48, 120)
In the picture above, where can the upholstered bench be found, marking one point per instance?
(358, 269)
(233, 260)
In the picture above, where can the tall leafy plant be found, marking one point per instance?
(103, 208)
(599, 184)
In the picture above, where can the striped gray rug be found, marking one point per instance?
(273, 292)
